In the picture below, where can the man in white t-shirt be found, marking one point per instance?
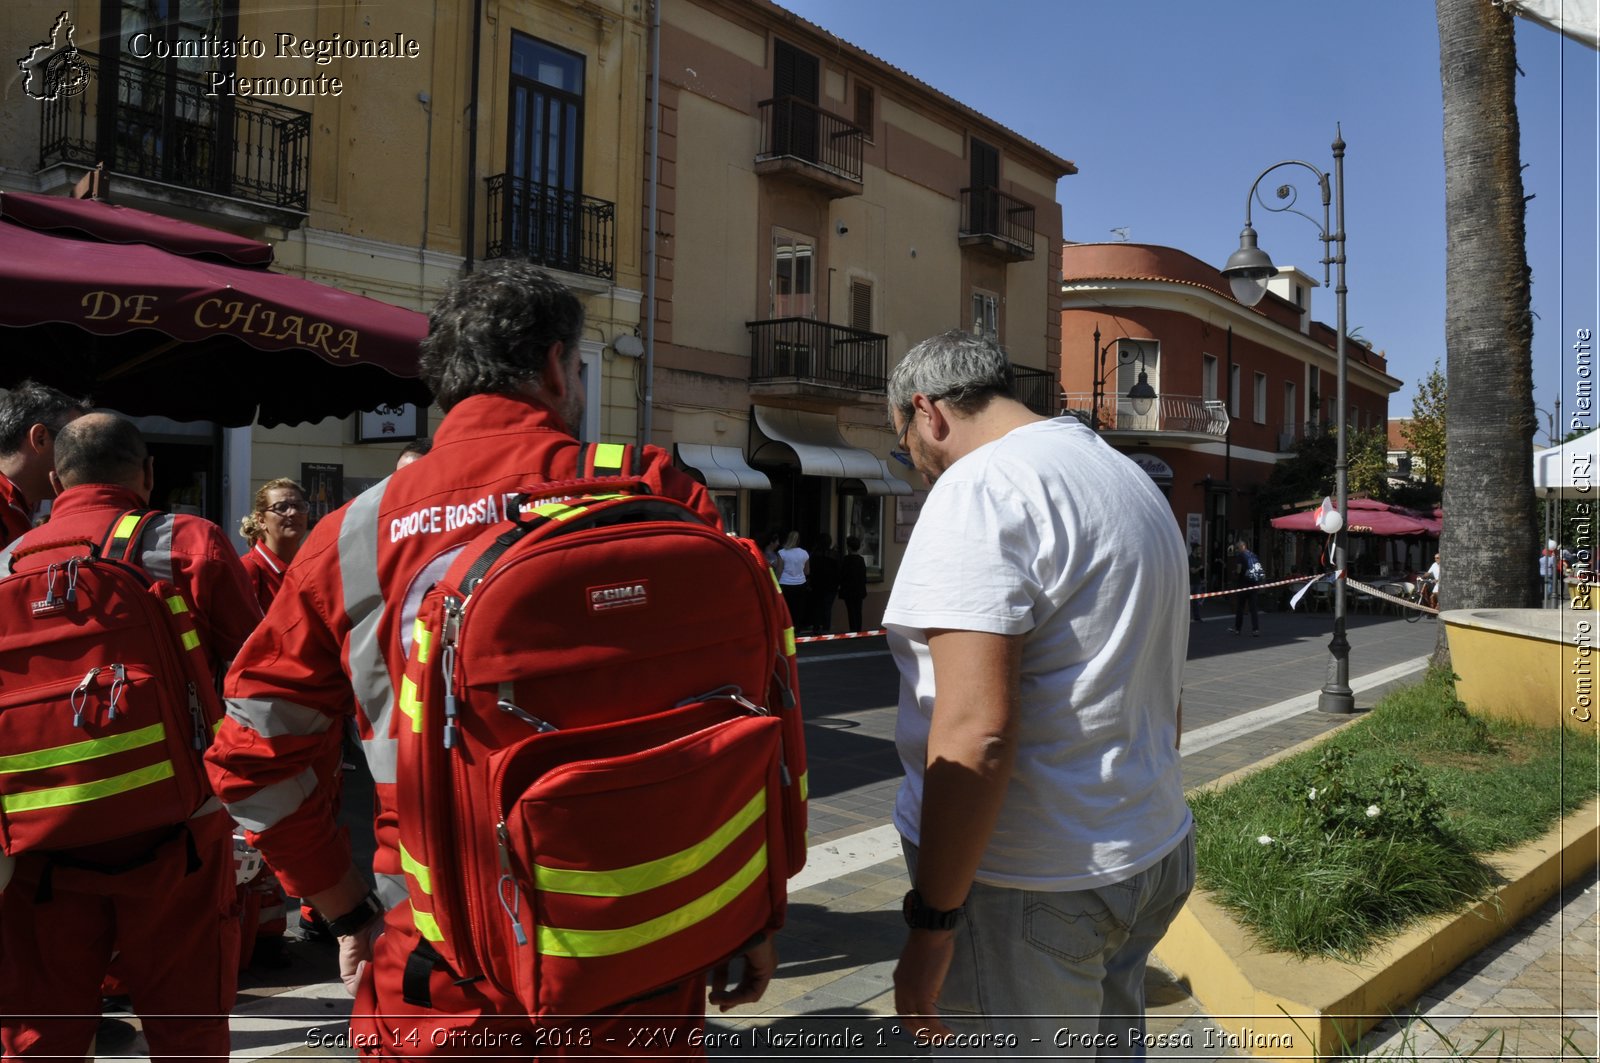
(1040, 624)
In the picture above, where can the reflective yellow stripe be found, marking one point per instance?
(410, 705)
(422, 639)
(417, 870)
(191, 640)
(626, 881)
(608, 455)
(177, 604)
(89, 791)
(427, 925)
(805, 785)
(578, 944)
(77, 752)
(775, 584)
(215, 728)
(125, 526)
(788, 642)
(558, 510)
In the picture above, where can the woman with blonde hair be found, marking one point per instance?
(275, 528)
(794, 570)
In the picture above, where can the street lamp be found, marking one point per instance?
(1247, 271)
(1141, 395)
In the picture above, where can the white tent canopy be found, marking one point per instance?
(1571, 470)
(1577, 19)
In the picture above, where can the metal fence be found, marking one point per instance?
(794, 128)
(802, 348)
(554, 227)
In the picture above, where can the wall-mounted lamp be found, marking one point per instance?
(840, 227)
(628, 345)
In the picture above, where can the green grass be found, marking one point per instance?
(1385, 823)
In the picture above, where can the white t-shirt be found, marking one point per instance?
(1051, 533)
(794, 566)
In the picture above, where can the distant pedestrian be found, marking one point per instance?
(413, 451)
(853, 581)
(1197, 582)
(1248, 575)
(824, 584)
(794, 569)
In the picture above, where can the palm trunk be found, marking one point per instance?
(1489, 544)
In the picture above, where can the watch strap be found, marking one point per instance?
(357, 918)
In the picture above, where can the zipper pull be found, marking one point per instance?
(72, 589)
(80, 696)
(447, 666)
(119, 673)
(512, 907)
(511, 708)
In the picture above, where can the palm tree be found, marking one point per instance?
(1489, 540)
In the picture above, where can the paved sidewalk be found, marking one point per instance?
(1246, 699)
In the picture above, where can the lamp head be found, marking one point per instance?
(1248, 269)
(1142, 395)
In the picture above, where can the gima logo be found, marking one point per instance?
(618, 595)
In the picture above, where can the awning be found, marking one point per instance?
(723, 468)
(112, 224)
(885, 484)
(1368, 517)
(147, 331)
(814, 439)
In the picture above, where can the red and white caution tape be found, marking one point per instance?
(832, 638)
(1251, 587)
(1376, 593)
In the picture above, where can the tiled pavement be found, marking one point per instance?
(843, 934)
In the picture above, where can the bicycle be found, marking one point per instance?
(1421, 591)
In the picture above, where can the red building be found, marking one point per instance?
(1235, 387)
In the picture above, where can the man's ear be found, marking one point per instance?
(56, 486)
(938, 423)
(553, 377)
(148, 477)
(39, 437)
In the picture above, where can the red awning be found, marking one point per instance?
(1367, 517)
(112, 224)
(146, 331)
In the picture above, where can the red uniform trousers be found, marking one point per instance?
(475, 1020)
(173, 928)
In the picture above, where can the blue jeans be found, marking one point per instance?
(1061, 973)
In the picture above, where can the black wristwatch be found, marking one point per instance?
(357, 918)
(920, 917)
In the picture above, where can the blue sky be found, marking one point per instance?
(1147, 98)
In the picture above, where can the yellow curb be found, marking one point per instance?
(1278, 1006)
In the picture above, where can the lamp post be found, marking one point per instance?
(1247, 271)
(1142, 395)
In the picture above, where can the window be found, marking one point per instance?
(862, 516)
(545, 152)
(793, 268)
(1234, 374)
(589, 374)
(1291, 408)
(1208, 378)
(1135, 357)
(727, 503)
(861, 304)
(1258, 404)
(986, 315)
(985, 175)
(796, 76)
(865, 103)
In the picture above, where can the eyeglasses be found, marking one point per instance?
(283, 509)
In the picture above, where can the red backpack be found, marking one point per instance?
(601, 751)
(106, 700)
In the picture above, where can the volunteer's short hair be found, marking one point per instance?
(419, 447)
(29, 404)
(957, 367)
(250, 524)
(99, 449)
(490, 332)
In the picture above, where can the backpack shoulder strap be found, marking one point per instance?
(608, 459)
(122, 538)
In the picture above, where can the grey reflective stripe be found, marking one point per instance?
(391, 889)
(5, 562)
(155, 553)
(383, 758)
(271, 805)
(363, 606)
(271, 718)
(213, 804)
(421, 583)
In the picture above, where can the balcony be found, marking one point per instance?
(167, 131)
(1183, 417)
(801, 142)
(554, 227)
(803, 357)
(1038, 390)
(997, 223)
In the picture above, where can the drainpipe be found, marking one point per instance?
(472, 132)
(646, 418)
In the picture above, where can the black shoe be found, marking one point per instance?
(313, 927)
(270, 954)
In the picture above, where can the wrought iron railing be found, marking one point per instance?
(552, 226)
(168, 128)
(793, 128)
(811, 351)
(1036, 389)
(1169, 413)
(990, 212)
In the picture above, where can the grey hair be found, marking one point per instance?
(962, 369)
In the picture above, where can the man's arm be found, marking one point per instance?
(971, 749)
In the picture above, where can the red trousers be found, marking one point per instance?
(172, 921)
(474, 1020)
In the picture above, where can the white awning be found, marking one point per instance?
(887, 483)
(815, 440)
(724, 468)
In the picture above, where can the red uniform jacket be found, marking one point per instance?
(334, 641)
(265, 570)
(191, 552)
(16, 514)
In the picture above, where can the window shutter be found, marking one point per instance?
(864, 105)
(861, 305)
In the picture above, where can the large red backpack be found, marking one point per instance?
(106, 700)
(601, 756)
